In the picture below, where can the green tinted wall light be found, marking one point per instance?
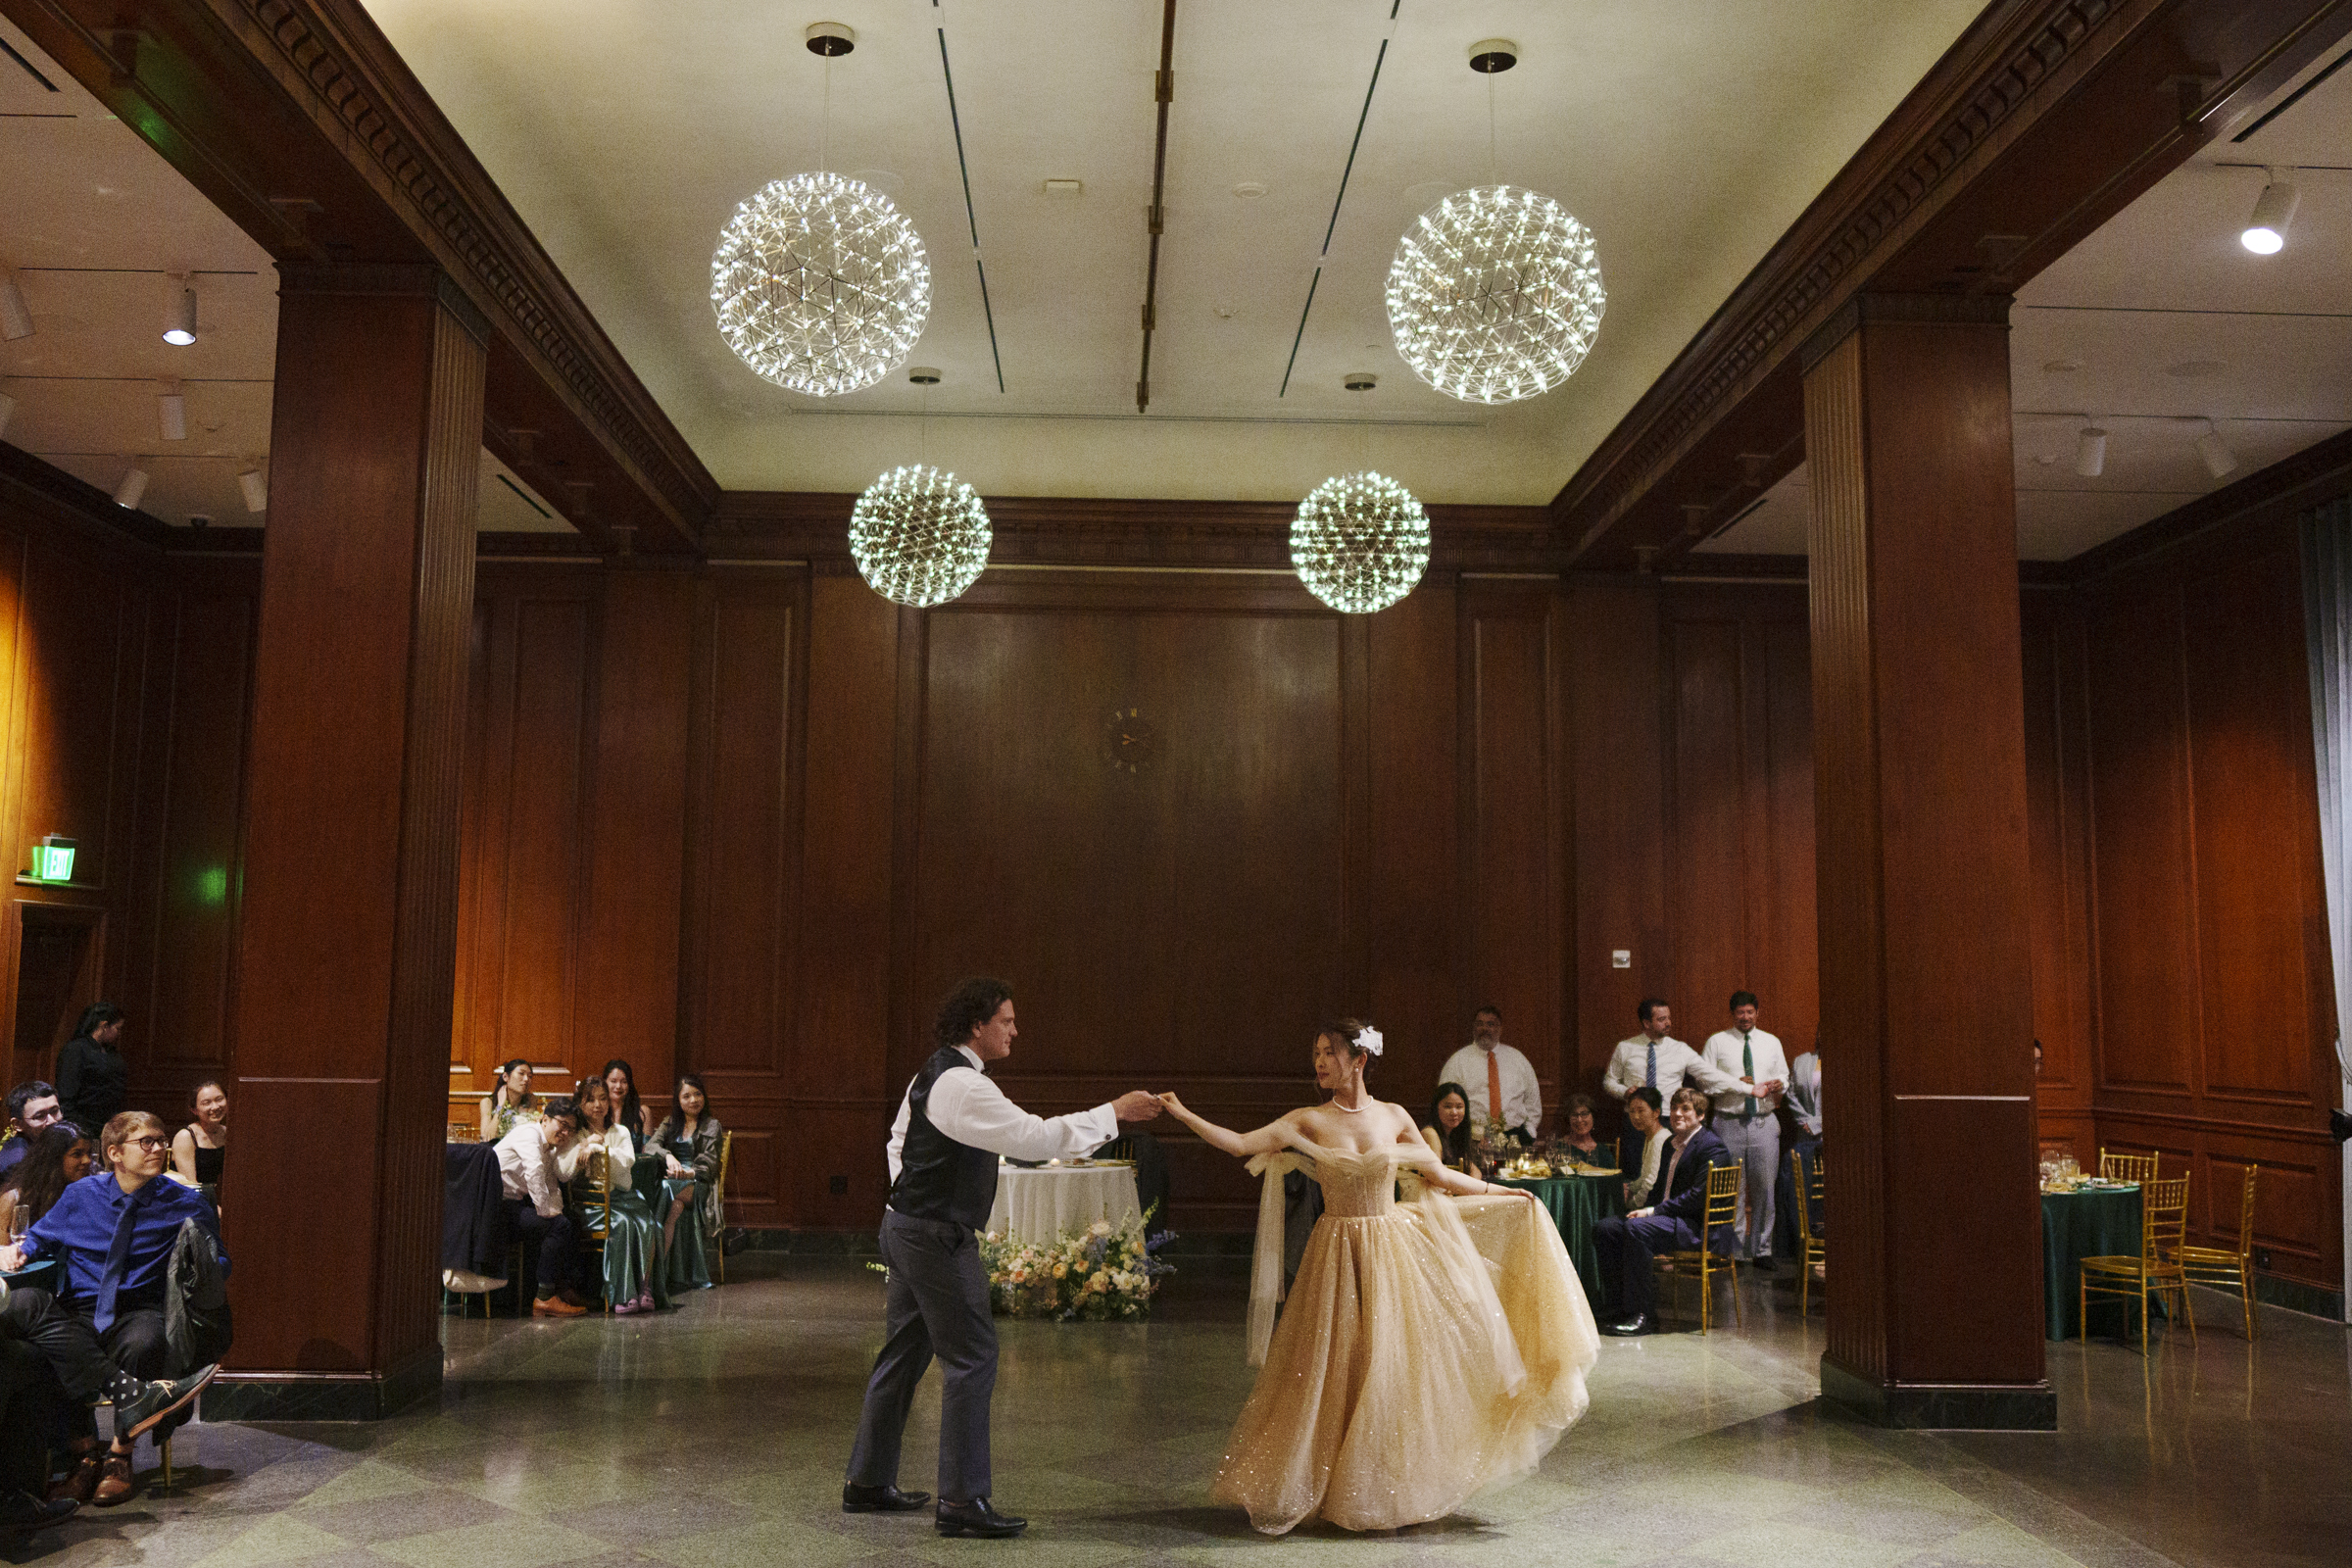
(53, 859)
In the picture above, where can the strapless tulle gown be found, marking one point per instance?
(1418, 1358)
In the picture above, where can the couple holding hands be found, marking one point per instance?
(1397, 1382)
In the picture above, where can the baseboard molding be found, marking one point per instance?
(2297, 1295)
(1942, 1406)
(867, 1244)
(323, 1396)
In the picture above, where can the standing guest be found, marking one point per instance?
(689, 1139)
(509, 1103)
(1447, 1132)
(57, 1157)
(1629, 1245)
(1748, 1120)
(534, 1196)
(1583, 1148)
(103, 1335)
(1642, 1147)
(632, 1235)
(1500, 1080)
(620, 1082)
(201, 1147)
(91, 1074)
(30, 1107)
(943, 1144)
(1655, 1060)
(1804, 1103)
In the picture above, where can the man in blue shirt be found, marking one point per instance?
(103, 1334)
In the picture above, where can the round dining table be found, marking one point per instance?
(1577, 1203)
(2092, 1222)
(1043, 1201)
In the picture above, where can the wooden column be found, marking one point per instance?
(348, 921)
(1926, 976)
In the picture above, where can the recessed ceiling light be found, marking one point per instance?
(1249, 190)
(1221, 311)
(2192, 369)
(1066, 188)
(2061, 366)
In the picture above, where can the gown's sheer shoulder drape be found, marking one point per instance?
(1428, 1349)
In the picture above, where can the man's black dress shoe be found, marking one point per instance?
(21, 1512)
(855, 1499)
(977, 1518)
(1763, 1264)
(1639, 1323)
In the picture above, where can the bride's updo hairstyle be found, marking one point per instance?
(1345, 1031)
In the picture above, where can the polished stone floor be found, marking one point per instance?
(716, 1435)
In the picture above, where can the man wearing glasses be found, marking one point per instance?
(114, 1233)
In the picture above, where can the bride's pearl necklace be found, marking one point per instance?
(1334, 1104)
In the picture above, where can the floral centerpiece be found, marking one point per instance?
(1098, 1273)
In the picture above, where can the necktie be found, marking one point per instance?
(1747, 1068)
(117, 1260)
(1495, 1087)
(1652, 1080)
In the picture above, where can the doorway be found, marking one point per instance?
(60, 949)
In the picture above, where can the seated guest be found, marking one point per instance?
(103, 1335)
(30, 1107)
(36, 1419)
(509, 1103)
(689, 1139)
(1449, 1132)
(527, 1167)
(91, 1074)
(1642, 1147)
(616, 1215)
(620, 1082)
(1629, 1245)
(1583, 1148)
(59, 1157)
(199, 1148)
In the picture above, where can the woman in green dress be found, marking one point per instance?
(634, 1280)
(690, 1139)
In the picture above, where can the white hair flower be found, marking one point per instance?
(1368, 1039)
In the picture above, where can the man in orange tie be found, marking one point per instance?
(1499, 1080)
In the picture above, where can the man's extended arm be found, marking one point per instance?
(1614, 1087)
(970, 1108)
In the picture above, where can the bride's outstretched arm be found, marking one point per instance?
(1265, 1141)
(1449, 1180)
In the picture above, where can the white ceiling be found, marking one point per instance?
(2161, 322)
(1688, 137)
(96, 223)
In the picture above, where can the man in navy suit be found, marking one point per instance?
(1629, 1245)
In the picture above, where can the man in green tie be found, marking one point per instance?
(1747, 1120)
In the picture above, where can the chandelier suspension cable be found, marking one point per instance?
(824, 120)
(1493, 163)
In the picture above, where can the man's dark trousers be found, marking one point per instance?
(937, 1306)
(1628, 1250)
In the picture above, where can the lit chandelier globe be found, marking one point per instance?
(1359, 542)
(1495, 295)
(820, 284)
(920, 536)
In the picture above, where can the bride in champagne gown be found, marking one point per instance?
(1428, 1350)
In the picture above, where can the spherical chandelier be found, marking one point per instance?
(1496, 294)
(920, 536)
(820, 284)
(1359, 542)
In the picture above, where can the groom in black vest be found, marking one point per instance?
(942, 1152)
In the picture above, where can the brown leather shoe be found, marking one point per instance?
(555, 1306)
(114, 1480)
(79, 1482)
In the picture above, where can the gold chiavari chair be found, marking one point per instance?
(2139, 1168)
(1812, 1252)
(592, 1194)
(1701, 1263)
(2163, 1224)
(2225, 1269)
(718, 1200)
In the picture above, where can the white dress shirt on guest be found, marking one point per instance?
(1724, 1054)
(1805, 1091)
(527, 1169)
(1522, 1096)
(1629, 1069)
(970, 1108)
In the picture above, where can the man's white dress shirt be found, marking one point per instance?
(1522, 1098)
(1725, 1054)
(527, 1169)
(1805, 1091)
(971, 1110)
(1629, 1069)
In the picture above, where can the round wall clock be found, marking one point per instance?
(1129, 740)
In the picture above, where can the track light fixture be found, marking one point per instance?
(2220, 461)
(172, 413)
(15, 320)
(2090, 452)
(179, 313)
(256, 490)
(2265, 232)
(133, 486)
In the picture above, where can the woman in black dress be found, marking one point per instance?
(201, 1147)
(91, 1074)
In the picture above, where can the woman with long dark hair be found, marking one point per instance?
(91, 1074)
(620, 1082)
(633, 1274)
(690, 1139)
(509, 1103)
(55, 1157)
(1447, 1130)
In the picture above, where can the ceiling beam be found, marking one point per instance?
(299, 120)
(2047, 119)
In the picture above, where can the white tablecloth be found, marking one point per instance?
(1039, 1204)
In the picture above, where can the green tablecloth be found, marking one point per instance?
(2075, 1226)
(1576, 1204)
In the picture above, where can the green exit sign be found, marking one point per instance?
(53, 859)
